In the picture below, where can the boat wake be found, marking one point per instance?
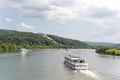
(87, 73)
(90, 74)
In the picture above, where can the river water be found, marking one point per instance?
(48, 64)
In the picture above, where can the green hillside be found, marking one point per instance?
(2, 31)
(69, 43)
(11, 41)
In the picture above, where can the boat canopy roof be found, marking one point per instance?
(73, 57)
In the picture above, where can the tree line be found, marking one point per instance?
(17, 40)
(108, 50)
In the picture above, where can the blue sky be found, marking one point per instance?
(85, 20)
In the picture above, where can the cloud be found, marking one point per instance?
(10, 5)
(102, 12)
(8, 20)
(104, 33)
(25, 26)
(95, 11)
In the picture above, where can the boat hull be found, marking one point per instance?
(72, 66)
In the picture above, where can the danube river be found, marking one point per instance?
(48, 64)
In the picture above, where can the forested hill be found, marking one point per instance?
(14, 40)
(69, 42)
(3, 31)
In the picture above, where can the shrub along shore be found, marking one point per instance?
(108, 50)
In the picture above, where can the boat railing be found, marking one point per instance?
(72, 56)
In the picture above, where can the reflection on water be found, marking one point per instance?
(23, 54)
(48, 64)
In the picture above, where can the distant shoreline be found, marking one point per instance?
(108, 50)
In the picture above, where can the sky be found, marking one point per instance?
(84, 20)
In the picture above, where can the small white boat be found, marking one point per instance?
(76, 62)
(23, 50)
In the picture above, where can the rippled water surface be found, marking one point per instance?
(48, 64)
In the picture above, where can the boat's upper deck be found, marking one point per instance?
(73, 57)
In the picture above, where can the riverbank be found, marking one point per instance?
(108, 50)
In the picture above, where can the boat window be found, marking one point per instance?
(82, 61)
(78, 66)
(75, 61)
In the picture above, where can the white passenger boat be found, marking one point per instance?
(76, 62)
